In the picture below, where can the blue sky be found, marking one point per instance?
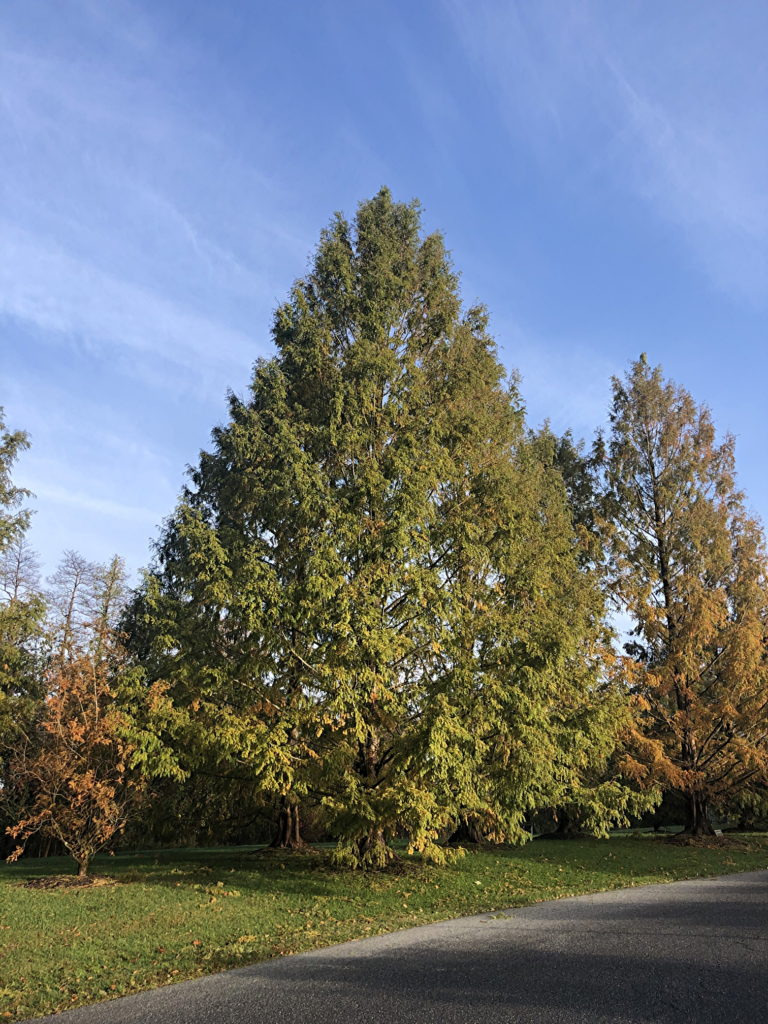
(598, 169)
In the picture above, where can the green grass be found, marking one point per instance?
(182, 913)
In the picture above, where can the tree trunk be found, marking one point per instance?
(697, 821)
(82, 865)
(372, 850)
(467, 831)
(288, 833)
(566, 828)
(747, 822)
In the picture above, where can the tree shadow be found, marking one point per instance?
(672, 964)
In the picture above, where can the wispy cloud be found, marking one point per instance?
(142, 249)
(46, 286)
(662, 102)
(88, 503)
(117, 235)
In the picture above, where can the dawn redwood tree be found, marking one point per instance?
(70, 599)
(688, 566)
(86, 601)
(81, 730)
(371, 590)
(76, 770)
(75, 765)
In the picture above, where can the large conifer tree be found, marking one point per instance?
(688, 565)
(371, 589)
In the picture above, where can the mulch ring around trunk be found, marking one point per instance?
(68, 882)
(709, 842)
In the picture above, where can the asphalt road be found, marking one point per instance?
(685, 952)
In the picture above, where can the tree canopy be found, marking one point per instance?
(386, 607)
(371, 590)
(688, 565)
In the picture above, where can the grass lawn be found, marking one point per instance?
(182, 913)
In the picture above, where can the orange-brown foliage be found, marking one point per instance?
(75, 767)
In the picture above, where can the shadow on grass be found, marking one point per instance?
(701, 960)
(609, 863)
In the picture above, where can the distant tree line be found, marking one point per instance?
(385, 609)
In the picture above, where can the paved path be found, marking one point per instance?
(686, 952)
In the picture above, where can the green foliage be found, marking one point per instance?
(372, 590)
(598, 793)
(14, 520)
(21, 603)
(580, 477)
(22, 610)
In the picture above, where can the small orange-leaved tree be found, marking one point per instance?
(75, 768)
